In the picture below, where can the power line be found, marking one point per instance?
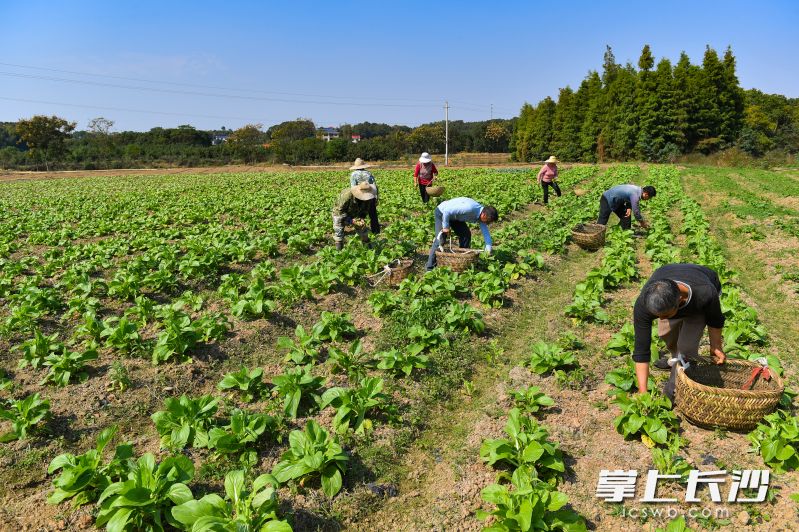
(213, 95)
(122, 109)
(463, 104)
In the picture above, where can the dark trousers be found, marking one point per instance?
(546, 186)
(621, 211)
(423, 193)
(374, 223)
(461, 229)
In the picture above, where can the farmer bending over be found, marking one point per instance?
(684, 298)
(623, 200)
(454, 214)
(358, 201)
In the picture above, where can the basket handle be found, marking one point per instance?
(763, 371)
(679, 359)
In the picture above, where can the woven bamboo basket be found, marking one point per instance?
(399, 271)
(710, 395)
(457, 259)
(589, 236)
(435, 192)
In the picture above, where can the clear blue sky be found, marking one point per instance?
(228, 63)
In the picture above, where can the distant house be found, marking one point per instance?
(219, 138)
(328, 133)
(356, 139)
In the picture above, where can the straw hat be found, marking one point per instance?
(425, 158)
(359, 164)
(552, 159)
(364, 191)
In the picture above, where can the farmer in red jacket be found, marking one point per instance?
(423, 175)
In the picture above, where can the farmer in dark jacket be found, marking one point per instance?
(358, 201)
(684, 298)
(624, 200)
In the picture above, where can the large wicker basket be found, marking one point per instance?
(434, 192)
(589, 236)
(711, 395)
(457, 259)
(398, 271)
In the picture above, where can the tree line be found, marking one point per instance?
(52, 142)
(657, 112)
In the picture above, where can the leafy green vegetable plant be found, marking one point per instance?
(353, 361)
(185, 422)
(777, 441)
(402, 362)
(294, 385)
(527, 450)
(313, 452)
(121, 334)
(530, 400)
(645, 415)
(532, 505)
(144, 499)
(333, 327)
(545, 357)
(37, 349)
(24, 415)
(84, 477)
(305, 350)
(247, 382)
(68, 365)
(243, 509)
(352, 404)
(241, 435)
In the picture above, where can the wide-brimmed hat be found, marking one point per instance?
(364, 191)
(552, 159)
(359, 164)
(425, 158)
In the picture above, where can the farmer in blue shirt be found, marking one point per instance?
(624, 200)
(454, 214)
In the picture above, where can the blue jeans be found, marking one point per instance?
(460, 229)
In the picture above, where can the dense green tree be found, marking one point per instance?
(591, 99)
(566, 126)
(292, 130)
(45, 135)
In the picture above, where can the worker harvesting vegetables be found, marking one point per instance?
(358, 201)
(455, 214)
(624, 200)
(360, 174)
(547, 177)
(423, 175)
(685, 299)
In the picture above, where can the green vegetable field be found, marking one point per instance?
(190, 352)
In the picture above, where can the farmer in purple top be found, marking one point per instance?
(624, 200)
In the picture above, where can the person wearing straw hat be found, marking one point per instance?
(355, 202)
(454, 214)
(360, 175)
(423, 175)
(684, 298)
(547, 177)
(624, 200)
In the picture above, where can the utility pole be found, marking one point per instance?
(446, 133)
(492, 112)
